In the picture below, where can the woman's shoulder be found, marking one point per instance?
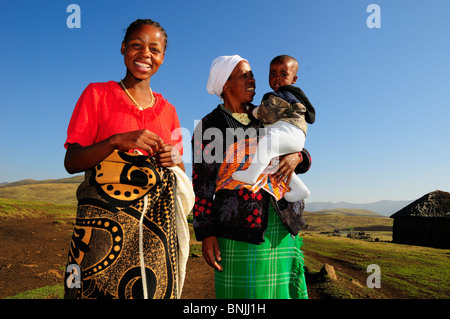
(98, 88)
(214, 118)
(215, 114)
(103, 85)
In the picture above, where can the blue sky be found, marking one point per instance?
(382, 94)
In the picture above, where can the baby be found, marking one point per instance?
(285, 113)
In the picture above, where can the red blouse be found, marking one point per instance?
(103, 110)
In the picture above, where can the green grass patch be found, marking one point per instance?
(14, 208)
(330, 222)
(55, 193)
(422, 272)
(48, 292)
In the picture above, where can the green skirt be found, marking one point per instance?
(272, 270)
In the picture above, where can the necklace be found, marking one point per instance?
(134, 101)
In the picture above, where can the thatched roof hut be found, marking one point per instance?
(434, 204)
(425, 221)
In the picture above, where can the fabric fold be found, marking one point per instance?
(184, 202)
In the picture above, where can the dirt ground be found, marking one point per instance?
(33, 254)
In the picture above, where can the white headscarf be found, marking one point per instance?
(220, 71)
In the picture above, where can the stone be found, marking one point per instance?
(356, 283)
(328, 270)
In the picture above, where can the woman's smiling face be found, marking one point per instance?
(240, 86)
(144, 51)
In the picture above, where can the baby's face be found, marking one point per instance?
(282, 74)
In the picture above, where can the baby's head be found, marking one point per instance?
(283, 71)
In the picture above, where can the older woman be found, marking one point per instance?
(250, 236)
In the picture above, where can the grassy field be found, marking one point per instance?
(14, 208)
(61, 192)
(406, 271)
(377, 227)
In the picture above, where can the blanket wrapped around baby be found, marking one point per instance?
(238, 156)
(124, 242)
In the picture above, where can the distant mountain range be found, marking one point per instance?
(383, 207)
(49, 191)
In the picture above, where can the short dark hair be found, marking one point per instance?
(134, 25)
(284, 57)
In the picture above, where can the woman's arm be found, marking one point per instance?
(81, 158)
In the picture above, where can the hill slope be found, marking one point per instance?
(69, 180)
(383, 207)
(59, 191)
(349, 212)
(62, 191)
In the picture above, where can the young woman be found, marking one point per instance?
(120, 134)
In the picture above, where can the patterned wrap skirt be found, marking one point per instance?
(272, 270)
(124, 241)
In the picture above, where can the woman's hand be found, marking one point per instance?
(141, 139)
(211, 252)
(81, 158)
(287, 166)
(168, 156)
